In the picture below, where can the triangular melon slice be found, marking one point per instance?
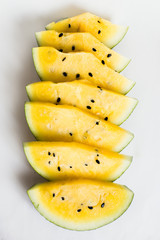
(49, 122)
(74, 42)
(107, 32)
(52, 65)
(105, 104)
(61, 160)
(80, 204)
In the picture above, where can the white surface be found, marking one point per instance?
(19, 20)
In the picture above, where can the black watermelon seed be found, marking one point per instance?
(79, 210)
(98, 21)
(90, 74)
(70, 134)
(53, 194)
(62, 198)
(73, 48)
(49, 162)
(88, 107)
(58, 99)
(59, 169)
(92, 100)
(90, 207)
(109, 55)
(49, 153)
(106, 118)
(103, 62)
(97, 161)
(60, 50)
(69, 25)
(97, 155)
(54, 154)
(99, 88)
(70, 166)
(97, 123)
(94, 50)
(63, 59)
(60, 35)
(102, 205)
(86, 164)
(77, 75)
(65, 74)
(99, 31)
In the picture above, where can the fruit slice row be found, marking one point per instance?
(76, 121)
(85, 42)
(52, 65)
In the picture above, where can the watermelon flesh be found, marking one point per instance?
(85, 42)
(108, 33)
(80, 204)
(62, 160)
(52, 65)
(49, 122)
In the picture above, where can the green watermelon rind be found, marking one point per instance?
(121, 69)
(75, 229)
(127, 28)
(136, 103)
(120, 171)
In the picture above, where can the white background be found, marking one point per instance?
(19, 20)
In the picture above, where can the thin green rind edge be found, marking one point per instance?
(130, 112)
(129, 159)
(129, 60)
(127, 28)
(34, 204)
(35, 65)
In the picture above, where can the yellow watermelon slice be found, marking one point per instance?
(52, 65)
(49, 122)
(105, 31)
(85, 42)
(61, 160)
(80, 204)
(105, 104)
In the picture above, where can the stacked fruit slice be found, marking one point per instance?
(75, 113)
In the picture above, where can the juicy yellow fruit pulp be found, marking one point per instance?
(49, 122)
(74, 42)
(80, 204)
(107, 32)
(52, 65)
(60, 160)
(115, 107)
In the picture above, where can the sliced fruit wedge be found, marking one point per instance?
(49, 122)
(80, 204)
(75, 42)
(105, 104)
(107, 32)
(61, 160)
(52, 65)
